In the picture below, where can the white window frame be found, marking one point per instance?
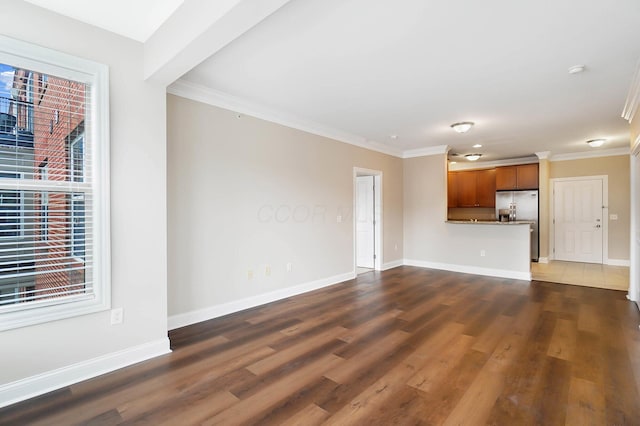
(40, 59)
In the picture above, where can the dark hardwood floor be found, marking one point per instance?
(406, 346)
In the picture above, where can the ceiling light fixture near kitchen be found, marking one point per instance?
(394, 137)
(473, 157)
(477, 145)
(576, 69)
(462, 127)
(595, 143)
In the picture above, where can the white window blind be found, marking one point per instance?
(53, 176)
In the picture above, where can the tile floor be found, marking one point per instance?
(584, 274)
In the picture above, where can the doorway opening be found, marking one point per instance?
(367, 220)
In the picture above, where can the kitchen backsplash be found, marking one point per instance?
(471, 213)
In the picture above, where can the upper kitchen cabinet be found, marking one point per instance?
(475, 188)
(486, 192)
(452, 189)
(524, 176)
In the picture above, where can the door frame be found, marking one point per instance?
(377, 216)
(605, 213)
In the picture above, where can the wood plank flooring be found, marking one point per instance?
(406, 346)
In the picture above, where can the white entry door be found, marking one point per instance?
(577, 215)
(365, 236)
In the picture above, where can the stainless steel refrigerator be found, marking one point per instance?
(526, 206)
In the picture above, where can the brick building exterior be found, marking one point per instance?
(59, 126)
(53, 109)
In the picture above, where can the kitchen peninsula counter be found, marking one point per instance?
(490, 222)
(489, 247)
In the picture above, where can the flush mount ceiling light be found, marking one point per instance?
(576, 69)
(595, 143)
(473, 157)
(477, 145)
(462, 127)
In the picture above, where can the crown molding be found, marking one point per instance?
(543, 155)
(590, 154)
(423, 152)
(491, 164)
(633, 98)
(200, 93)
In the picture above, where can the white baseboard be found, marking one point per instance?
(30, 387)
(618, 262)
(543, 260)
(392, 264)
(188, 318)
(500, 273)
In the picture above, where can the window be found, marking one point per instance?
(29, 105)
(11, 225)
(77, 159)
(44, 204)
(78, 227)
(54, 222)
(9, 214)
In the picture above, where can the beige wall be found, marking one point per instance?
(244, 194)
(617, 168)
(138, 208)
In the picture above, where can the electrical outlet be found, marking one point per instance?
(267, 271)
(117, 316)
(613, 216)
(339, 219)
(483, 253)
(250, 274)
(289, 267)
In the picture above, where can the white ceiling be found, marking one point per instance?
(376, 68)
(135, 19)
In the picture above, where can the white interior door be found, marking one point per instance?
(577, 215)
(365, 236)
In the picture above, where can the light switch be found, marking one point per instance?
(613, 217)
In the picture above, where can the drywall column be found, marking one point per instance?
(634, 256)
(544, 213)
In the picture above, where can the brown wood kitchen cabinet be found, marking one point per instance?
(452, 189)
(523, 176)
(475, 188)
